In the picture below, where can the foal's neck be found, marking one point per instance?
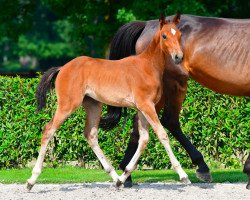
(155, 54)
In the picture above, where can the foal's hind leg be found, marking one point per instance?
(148, 110)
(68, 100)
(130, 151)
(142, 143)
(93, 109)
(48, 132)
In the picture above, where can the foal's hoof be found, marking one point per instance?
(248, 186)
(185, 181)
(204, 176)
(118, 183)
(29, 186)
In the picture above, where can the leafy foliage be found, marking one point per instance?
(217, 125)
(45, 33)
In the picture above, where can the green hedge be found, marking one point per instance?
(217, 125)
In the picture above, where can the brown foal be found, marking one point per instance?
(88, 81)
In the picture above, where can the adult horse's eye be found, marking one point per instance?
(164, 36)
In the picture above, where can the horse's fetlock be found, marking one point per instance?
(129, 169)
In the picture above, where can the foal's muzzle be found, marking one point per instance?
(178, 58)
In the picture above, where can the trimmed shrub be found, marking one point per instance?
(218, 125)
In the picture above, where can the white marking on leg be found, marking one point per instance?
(39, 163)
(162, 135)
(142, 143)
(93, 142)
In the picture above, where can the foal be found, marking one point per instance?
(88, 81)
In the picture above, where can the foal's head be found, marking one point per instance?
(170, 38)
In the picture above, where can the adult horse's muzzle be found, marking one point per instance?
(177, 58)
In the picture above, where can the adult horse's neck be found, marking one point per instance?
(155, 54)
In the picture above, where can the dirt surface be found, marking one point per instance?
(106, 191)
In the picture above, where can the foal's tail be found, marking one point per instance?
(44, 86)
(122, 45)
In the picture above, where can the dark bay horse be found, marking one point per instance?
(217, 55)
(88, 81)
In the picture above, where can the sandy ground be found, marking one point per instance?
(106, 191)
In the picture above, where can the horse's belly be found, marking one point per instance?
(224, 73)
(113, 98)
(221, 80)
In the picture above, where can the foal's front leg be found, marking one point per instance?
(93, 111)
(148, 110)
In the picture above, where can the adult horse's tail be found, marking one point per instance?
(122, 45)
(44, 86)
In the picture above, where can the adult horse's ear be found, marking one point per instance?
(177, 18)
(162, 20)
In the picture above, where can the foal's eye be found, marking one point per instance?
(164, 36)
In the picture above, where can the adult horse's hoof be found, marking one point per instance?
(128, 184)
(248, 185)
(185, 180)
(204, 176)
(29, 186)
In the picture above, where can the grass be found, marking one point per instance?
(80, 175)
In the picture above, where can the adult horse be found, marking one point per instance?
(217, 55)
(89, 81)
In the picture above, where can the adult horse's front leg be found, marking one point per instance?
(247, 170)
(175, 95)
(93, 113)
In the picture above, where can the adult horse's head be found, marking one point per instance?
(170, 38)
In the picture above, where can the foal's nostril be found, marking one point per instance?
(178, 59)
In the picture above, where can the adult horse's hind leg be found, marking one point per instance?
(150, 114)
(93, 111)
(247, 170)
(48, 132)
(143, 126)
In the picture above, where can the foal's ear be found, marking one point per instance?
(162, 20)
(177, 18)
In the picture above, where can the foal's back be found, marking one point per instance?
(113, 82)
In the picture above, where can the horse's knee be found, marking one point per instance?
(163, 137)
